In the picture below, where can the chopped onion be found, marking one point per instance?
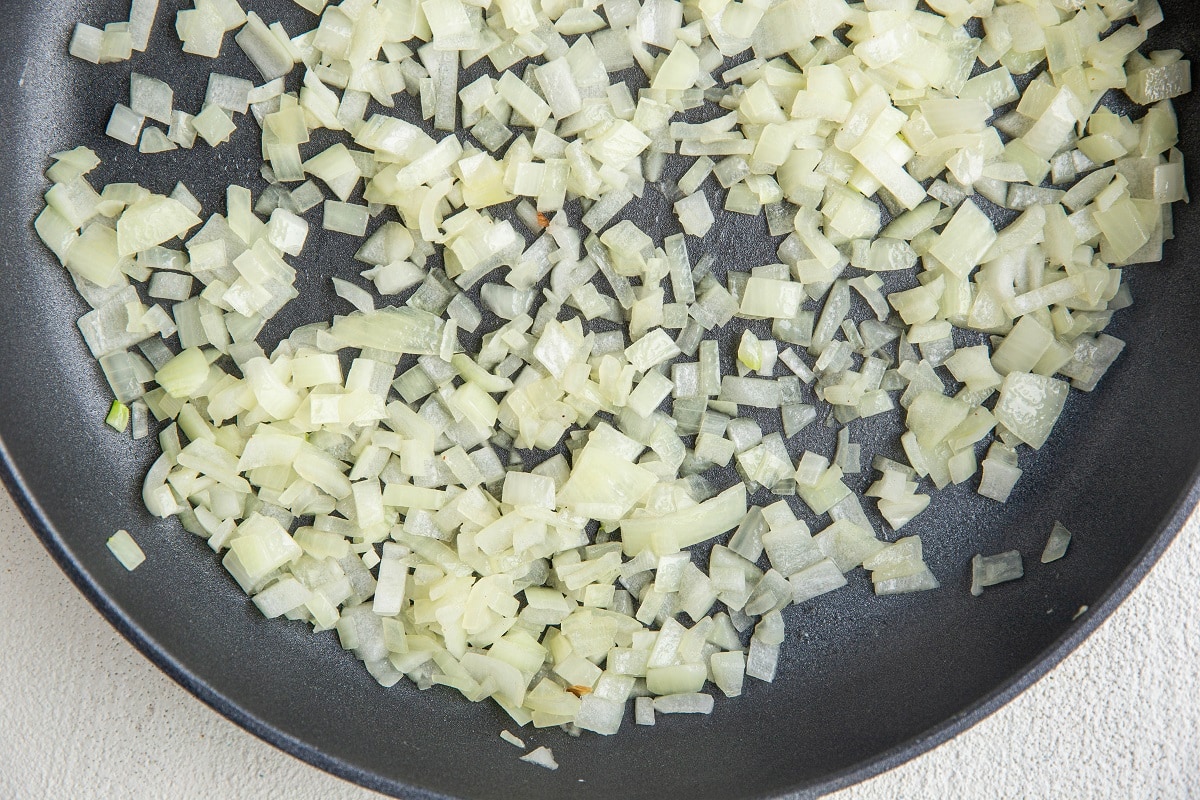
(213, 125)
(429, 546)
(125, 125)
(126, 550)
(992, 570)
(1056, 545)
(542, 757)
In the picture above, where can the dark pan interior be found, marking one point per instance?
(864, 684)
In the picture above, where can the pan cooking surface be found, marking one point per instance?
(863, 683)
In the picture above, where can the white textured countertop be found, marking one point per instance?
(83, 715)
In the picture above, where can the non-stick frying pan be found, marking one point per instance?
(864, 683)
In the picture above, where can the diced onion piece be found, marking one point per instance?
(152, 221)
(345, 218)
(151, 98)
(542, 757)
(214, 125)
(264, 48)
(183, 374)
(1056, 545)
(695, 215)
(126, 550)
(693, 703)
(1030, 405)
(142, 14)
(992, 570)
(87, 43)
(125, 125)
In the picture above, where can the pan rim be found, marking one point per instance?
(1130, 578)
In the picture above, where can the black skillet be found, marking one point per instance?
(864, 683)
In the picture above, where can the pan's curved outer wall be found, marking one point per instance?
(864, 684)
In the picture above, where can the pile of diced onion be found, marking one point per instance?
(517, 521)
